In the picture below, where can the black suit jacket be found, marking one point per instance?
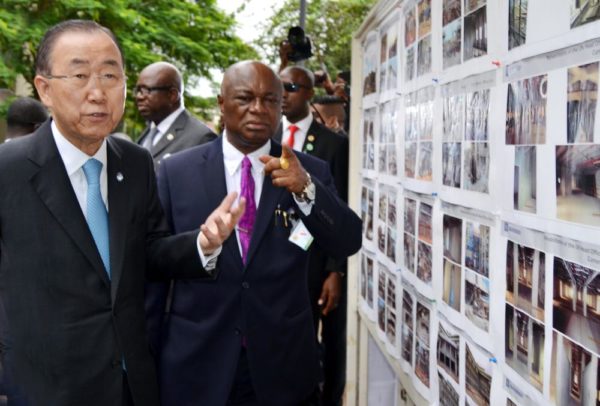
(331, 147)
(265, 300)
(185, 132)
(70, 328)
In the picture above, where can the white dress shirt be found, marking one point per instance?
(164, 125)
(300, 134)
(74, 159)
(233, 171)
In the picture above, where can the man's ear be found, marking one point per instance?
(220, 100)
(43, 89)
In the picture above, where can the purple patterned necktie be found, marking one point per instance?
(246, 223)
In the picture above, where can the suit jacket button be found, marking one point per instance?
(245, 285)
(238, 332)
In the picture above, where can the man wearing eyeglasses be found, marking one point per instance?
(81, 227)
(326, 281)
(171, 128)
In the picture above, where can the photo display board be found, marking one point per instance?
(480, 198)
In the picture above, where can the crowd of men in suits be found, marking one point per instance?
(189, 269)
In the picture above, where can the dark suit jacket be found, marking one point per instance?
(333, 149)
(69, 327)
(266, 300)
(185, 132)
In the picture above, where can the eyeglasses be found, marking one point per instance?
(81, 80)
(145, 90)
(293, 87)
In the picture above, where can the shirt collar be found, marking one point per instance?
(303, 125)
(233, 157)
(73, 157)
(168, 121)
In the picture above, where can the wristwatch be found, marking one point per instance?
(308, 193)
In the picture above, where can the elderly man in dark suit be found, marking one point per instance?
(247, 337)
(159, 98)
(326, 282)
(81, 227)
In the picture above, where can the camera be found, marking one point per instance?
(300, 43)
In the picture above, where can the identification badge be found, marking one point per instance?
(301, 236)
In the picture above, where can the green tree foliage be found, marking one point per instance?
(194, 35)
(329, 24)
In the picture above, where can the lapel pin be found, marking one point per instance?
(120, 177)
(311, 138)
(309, 147)
(170, 137)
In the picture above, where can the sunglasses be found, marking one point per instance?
(293, 87)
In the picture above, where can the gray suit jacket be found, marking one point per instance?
(185, 132)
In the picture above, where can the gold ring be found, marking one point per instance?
(284, 163)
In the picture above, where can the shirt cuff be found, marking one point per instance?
(304, 206)
(209, 262)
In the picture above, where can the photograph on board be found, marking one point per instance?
(584, 12)
(476, 168)
(425, 222)
(575, 373)
(448, 394)
(524, 190)
(477, 248)
(477, 113)
(526, 111)
(451, 10)
(424, 262)
(477, 299)
(582, 97)
(475, 34)
(448, 352)
(424, 55)
(422, 344)
(452, 282)
(576, 303)
(526, 279)
(478, 371)
(425, 161)
(517, 23)
(451, 164)
(578, 184)
(524, 346)
(452, 235)
(407, 326)
(452, 43)
(453, 118)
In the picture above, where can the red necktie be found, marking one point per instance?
(293, 128)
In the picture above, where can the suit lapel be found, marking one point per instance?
(269, 197)
(171, 135)
(143, 135)
(53, 186)
(314, 134)
(117, 208)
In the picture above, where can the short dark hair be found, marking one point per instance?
(42, 59)
(24, 115)
(328, 99)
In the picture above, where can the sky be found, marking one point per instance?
(248, 20)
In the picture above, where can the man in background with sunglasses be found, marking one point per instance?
(171, 128)
(326, 282)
